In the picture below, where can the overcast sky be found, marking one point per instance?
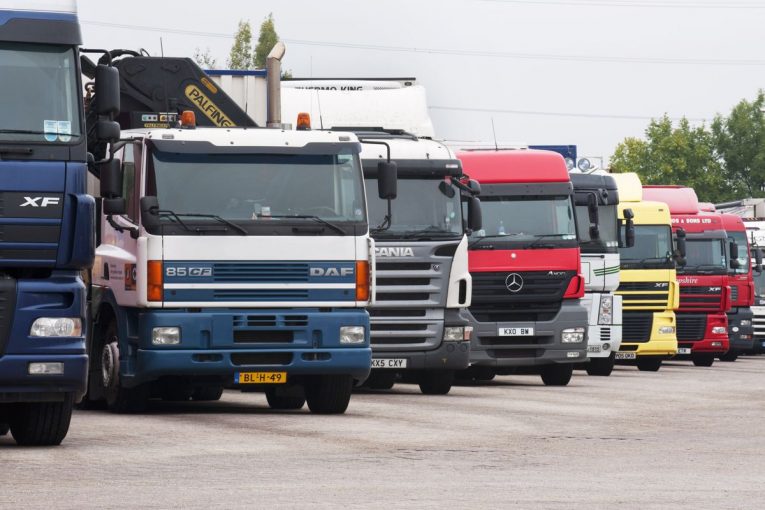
(584, 72)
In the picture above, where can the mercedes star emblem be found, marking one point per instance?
(514, 282)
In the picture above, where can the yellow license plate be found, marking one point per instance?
(260, 377)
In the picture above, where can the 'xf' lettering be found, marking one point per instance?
(40, 201)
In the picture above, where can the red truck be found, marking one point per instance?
(705, 297)
(741, 281)
(525, 263)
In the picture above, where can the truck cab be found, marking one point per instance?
(596, 198)
(741, 281)
(702, 323)
(419, 324)
(231, 258)
(526, 310)
(648, 281)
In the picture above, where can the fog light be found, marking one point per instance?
(572, 336)
(746, 337)
(457, 333)
(572, 354)
(54, 368)
(734, 329)
(56, 327)
(606, 346)
(351, 335)
(746, 322)
(716, 344)
(666, 330)
(718, 330)
(166, 335)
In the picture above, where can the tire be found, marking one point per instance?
(41, 423)
(380, 380)
(285, 402)
(4, 428)
(207, 393)
(435, 382)
(601, 366)
(703, 360)
(648, 364)
(558, 374)
(328, 394)
(118, 398)
(729, 356)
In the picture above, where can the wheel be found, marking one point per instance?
(292, 398)
(703, 360)
(207, 393)
(435, 382)
(557, 374)
(380, 380)
(41, 423)
(4, 428)
(118, 398)
(729, 356)
(648, 364)
(328, 394)
(601, 366)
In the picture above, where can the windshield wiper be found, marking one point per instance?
(176, 216)
(706, 268)
(539, 239)
(493, 236)
(26, 132)
(310, 217)
(429, 230)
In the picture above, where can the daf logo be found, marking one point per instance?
(514, 282)
(331, 271)
(394, 251)
(40, 201)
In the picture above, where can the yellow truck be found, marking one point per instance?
(648, 283)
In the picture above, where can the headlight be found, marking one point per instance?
(49, 368)
(606, 310)
(746, 322)
(666, 330)
(457, 333)
(166, 335)
(56, 326)
(718, 330)
(572, 336)
(352, 335)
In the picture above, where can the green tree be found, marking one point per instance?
(204, 58)
(240, 56)
(266, 41)
(675, 154)
(739, 141)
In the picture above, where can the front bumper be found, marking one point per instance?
(741, 337)
(657, 343)
(487, 348)
(16, 385)
(711, 343)
(220, 343)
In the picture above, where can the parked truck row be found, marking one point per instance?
(157, 242)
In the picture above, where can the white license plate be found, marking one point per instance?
(684, 350)
(625, 355)
(515, 332)
(593, 348)
(389, 363)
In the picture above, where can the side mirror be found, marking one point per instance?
(107, 91)
(758, 260)
(629, 228)
(475, 220)
(387, 180)
(107, 131)
(592, 212)
(681, 247)
(149, 216)
(733, 251)
(475, 187)
(110, 173)
(114, 206)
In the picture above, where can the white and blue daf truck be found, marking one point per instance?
(46, 216)
(232, 258)
(596, 199)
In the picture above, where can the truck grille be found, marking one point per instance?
(644, 295)
(7, 307)
(636, 326)
(260, 272)
(691, 327)
(734, 293)
(758, 323)
(700, 298)
(539, 299)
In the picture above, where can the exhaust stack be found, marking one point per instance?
(273, 86)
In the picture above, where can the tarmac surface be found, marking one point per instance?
(685, 437)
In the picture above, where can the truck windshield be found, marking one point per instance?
(260, 189)
(759, 287)
(704, 255)
(40, 96)
(609, 230)
(743, 252)
(527, 218)
(653, 243)
(422, 207)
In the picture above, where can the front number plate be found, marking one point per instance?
(260, 377)
(593, 348)
(389, 363)
(684, 350)
(515, 331)
(625, 355)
